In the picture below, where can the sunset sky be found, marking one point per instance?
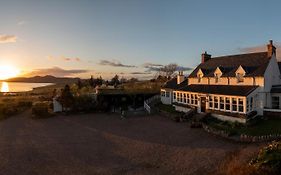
(127, 37)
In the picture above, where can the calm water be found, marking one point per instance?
(20, 87)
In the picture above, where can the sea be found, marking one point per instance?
(19, 86)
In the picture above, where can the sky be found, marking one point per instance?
(130, 37)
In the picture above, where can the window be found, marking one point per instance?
(240, 105)
(240, 78)
(178, 96)
(163, 93)
(199, 78)
(181, 97)
(192, 99)
(211, 102)
(217, 78)
(251, 103)
(222, 103)
(167, 94)
(234, 104)
(188, 98)
(175, 95)
(195, 101)
(184, 97)
(216, 102)
(248, 105)
(275, 103)
(227, 103)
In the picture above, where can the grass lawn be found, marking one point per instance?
(262, 127)
(167, 108)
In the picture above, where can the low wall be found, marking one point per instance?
(182, 109)
(243, 137)
(229, 118)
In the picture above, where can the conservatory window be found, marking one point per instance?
(234, 104)
(240, 105)
(222, 103)
(227, 103)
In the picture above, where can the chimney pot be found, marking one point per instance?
(205, 57)
(271, 49)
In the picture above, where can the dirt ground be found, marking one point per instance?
(105, 144)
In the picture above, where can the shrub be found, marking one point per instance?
(40, 110)
(269, 158)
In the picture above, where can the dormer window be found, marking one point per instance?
(217, 78)
(240, 77)
(199, 78)
(217, 74)
(199, 75)
(240, 73)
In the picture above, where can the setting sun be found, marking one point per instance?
(8, 71)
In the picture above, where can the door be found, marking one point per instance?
(203, 104)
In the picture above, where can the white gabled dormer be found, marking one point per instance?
(240, 73)
(217, 74)
(200, 74)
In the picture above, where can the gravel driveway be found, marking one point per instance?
(105, 144)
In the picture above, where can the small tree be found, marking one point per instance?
(115, 80)
(66, 98)
(79, 84)
(91, 81)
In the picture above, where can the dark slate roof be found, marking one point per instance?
(220, 89)
(172, 84)
(276, 89)
(254, 64)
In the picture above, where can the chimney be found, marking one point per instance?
(271, 49)
(180, 77)
(205, 57)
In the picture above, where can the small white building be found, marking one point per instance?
(232, 88)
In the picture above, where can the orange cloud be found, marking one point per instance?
(8, 39)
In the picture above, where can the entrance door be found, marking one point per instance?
(203, 104)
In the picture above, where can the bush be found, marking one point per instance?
(269, 158)
(40, 110)
(84, 103)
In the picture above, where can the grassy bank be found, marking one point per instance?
(262, 127)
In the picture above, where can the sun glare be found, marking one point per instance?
(8, 71)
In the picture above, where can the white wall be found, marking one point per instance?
(272, 74)
(167, 100)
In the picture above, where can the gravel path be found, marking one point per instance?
(104, 144)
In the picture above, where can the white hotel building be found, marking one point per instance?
(233, 87)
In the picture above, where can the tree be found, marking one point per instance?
(168, 70)
(115, 80)
(79, 84)
(99, 81)
(91, 81)
(66, 97)
(123, 80)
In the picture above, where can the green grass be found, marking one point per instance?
(167, 108)
(262, 127)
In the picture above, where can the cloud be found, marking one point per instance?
(148, 65)
(113, 63)
(64, 58)
(56, 71)
(262, 48)
(20, 23)
(140, 73)
(182, 68)
(152, 67)
(8, 39)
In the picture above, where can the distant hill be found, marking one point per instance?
(43, 79)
